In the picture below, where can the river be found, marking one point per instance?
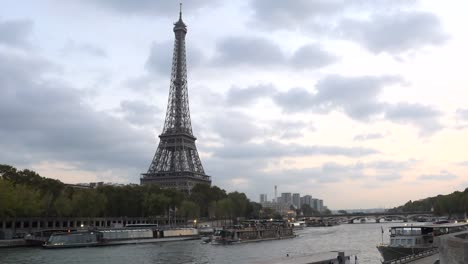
(359, 239)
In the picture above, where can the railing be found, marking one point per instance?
(412, 258)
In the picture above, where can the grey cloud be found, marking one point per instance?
(251, 51)
(463, 163)
(49, 121)
(370, 136)
(139, 112)
(395, 33)
(307, 15)
(391, 165)
(235, 126)
(160, 58)
(391, 26)
(15, 33)
(442, 176)
(73, 47)
(274, 149)
(425, 117)
(246, 96)
(312, 56)
(273, 14)
(289, 129)
(356, 96)
(462, 114)
(150, 7)
(256, 51)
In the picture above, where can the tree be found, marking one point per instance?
(189, 210)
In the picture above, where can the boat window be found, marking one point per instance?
(392, 241)
(397, 241)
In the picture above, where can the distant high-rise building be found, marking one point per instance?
(263, 198)
(320, 205)
(286, 198)
(276, 195)
(314, 204)
(296, 200)
(306, 199)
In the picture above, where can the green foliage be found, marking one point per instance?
(189, 210)
(26, 193)
(454, 203)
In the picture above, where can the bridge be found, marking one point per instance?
(351, 217)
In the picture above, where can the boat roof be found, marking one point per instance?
(447, 225)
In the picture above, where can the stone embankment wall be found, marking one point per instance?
(453, 248)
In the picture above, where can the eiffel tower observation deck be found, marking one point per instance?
(176, 163)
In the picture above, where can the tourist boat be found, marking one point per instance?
(109, 237)
(410, 240)
(252, 233)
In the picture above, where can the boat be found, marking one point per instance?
(260, 231)
(38, 238)
(411, 240)
(93, 238)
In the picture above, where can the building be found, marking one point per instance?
(176, 163)
(263, 198)
(296, 200)
(306, 199)
(286, 198)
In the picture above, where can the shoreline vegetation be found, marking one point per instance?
(24, 193)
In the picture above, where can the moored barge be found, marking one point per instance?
(109, 237)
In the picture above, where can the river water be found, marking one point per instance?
(355, 239)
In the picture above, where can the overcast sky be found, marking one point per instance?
(360, 103)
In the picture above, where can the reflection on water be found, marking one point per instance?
(359, 239)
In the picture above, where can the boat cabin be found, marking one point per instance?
(422, 236)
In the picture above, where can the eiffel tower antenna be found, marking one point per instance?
(176, 163)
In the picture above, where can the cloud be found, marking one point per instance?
(256, 52)
(246, 96)
(72, 47)
(149, 7)
(424, 117)
(355, 96)
(235, 126)
(15, 33)
(463, 163)
(379, 26)
(139, 112)
(251, 51)
(370, 136)
(47, 120)
(396, 32)
(312, 56)
(274, 149)
(388, 177)
(442, 176)
(462, 114)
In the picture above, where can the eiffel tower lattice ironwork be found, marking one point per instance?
(176, 163)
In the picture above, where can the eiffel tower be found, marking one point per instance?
(176, 163)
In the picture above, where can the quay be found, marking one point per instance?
(13, 228)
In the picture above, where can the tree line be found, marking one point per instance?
(452, 204)
(24, 193)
